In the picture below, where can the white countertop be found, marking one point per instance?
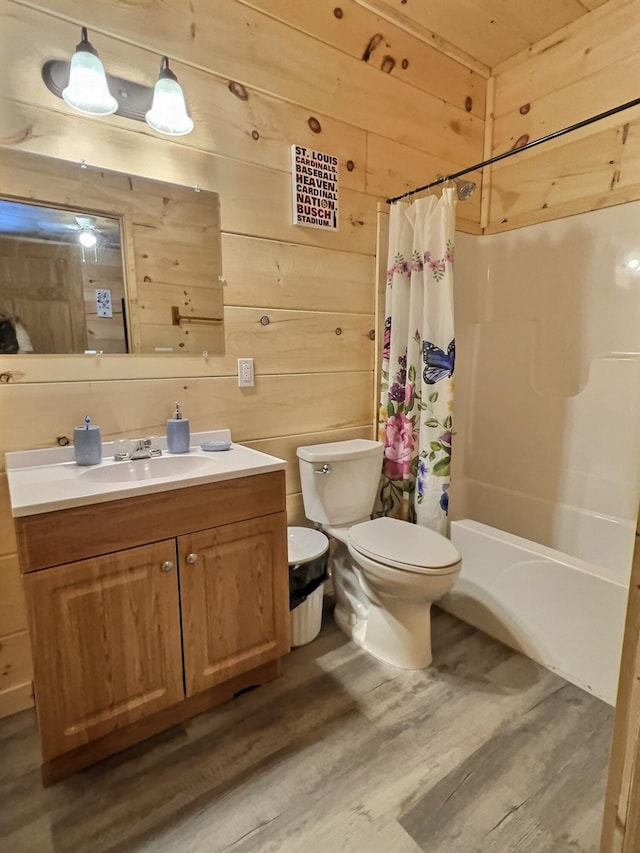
(49, 479)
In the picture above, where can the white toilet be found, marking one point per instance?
(386, 572)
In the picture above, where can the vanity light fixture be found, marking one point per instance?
(88, 90)
(85, 86)
(168, 113)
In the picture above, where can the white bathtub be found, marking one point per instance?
(561, 611)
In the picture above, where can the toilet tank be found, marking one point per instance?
(340, 480)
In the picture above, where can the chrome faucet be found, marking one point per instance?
(143, 449)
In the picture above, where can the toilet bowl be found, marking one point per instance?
(386, 572)
(402, 569)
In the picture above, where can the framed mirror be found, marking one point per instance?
(99, 261)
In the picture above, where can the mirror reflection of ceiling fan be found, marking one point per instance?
(88, 235)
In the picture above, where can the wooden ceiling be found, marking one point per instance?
(482, 33)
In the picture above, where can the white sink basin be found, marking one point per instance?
(48, 479)
(147, 469)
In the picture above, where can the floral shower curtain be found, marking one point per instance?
(416, 405)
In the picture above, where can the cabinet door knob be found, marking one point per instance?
(192, 558)
(167, 566)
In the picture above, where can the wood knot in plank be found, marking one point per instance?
(524, 109)
(314, 124)
(405, 64)
(350, 165)
(625, 132)
(520, 141)
(388, 64)
(338, 12)
(551, 46)
(374, 41)
(18, 137)
(192, 31)
(238, 90)
(255, 135)
(468, 103)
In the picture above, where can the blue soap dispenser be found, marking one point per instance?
(87, 443)
(178, 434)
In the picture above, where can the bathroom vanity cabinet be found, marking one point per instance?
(147, 610)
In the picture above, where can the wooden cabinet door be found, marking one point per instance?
(234, 588)
(105, 637)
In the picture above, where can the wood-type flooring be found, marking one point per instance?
(484, 752)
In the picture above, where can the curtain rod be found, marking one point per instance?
(444, 178)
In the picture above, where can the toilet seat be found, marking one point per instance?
(404, 546)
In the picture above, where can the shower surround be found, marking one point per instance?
(547, 444)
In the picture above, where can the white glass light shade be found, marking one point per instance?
(88, 91)
(168, 113)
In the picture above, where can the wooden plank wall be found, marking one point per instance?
(484, 31)
(586, 68)
(259, 77)
(104, 333)
(42, 286)
(53, 294)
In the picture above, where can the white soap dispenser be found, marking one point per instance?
(178, 434)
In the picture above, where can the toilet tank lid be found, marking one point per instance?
(399, 542)
(334, 451)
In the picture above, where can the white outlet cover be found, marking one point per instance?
(245, 373)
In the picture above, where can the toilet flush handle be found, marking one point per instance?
(326, 469)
